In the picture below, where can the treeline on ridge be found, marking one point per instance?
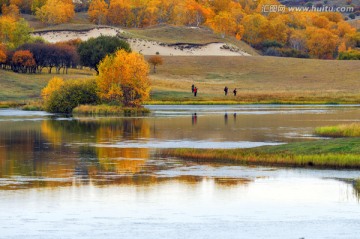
(34, 57)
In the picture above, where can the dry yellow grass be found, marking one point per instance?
(258, 79)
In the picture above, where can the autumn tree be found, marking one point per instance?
(224, 23)
(255, 27)
(2, 54)
(120, 13)
(123, 77)
(23, 61)
(14, 33)
(94, 50)
(321, 43)
(11, 11)
(98, 11)
(155, 61)
(56, 11)
(37, 4)
(54, 84)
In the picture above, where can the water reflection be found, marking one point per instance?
(54, 151)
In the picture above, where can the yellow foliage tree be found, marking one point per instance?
(56, 11)
(255, 28)
(54, 84)
(321, 43)
(123, 77)
(14, 33)
(224, 23)
(98, 11)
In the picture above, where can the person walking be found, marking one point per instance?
(235, 91)
(226, 90)
(195, 91)
(192, 88)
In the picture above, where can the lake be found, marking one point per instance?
(100, 177)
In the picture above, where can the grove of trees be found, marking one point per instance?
(298, 34)
(123, 79)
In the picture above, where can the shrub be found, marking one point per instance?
(269, 43)
(272, 52)
(349, 55)
(352, 16)
(72, 94)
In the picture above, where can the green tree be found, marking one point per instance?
(94, 50)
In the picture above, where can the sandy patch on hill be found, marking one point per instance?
(148, 47)
(57, 36)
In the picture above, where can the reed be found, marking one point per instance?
(342, 130)
(109, 110)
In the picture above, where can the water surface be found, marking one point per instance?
(99, 177)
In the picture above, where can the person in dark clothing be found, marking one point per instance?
(226, 90)
(235, 91)
(192, 88)
(195, 91)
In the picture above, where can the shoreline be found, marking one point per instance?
(341, 153)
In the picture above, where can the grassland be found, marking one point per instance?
(27, 87)
(342, 130)
(257, 79)
(337, 153)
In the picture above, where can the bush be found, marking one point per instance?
(72, 94)
(293, 53)
(269, 43)
(352, 16)
(272, 52)
(349, 55)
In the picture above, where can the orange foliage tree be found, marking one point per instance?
(98, 11)
(155, 61)
(12, 11)
(23, 61)
(243, 19)
(321, 43)
(123, 77)
(2, 54)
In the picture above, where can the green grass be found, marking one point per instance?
(336, 153)
(342, 130)
(109, 110)
(27, 87)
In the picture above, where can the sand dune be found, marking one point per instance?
(147, 47)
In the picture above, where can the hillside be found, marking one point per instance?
(165, 39)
